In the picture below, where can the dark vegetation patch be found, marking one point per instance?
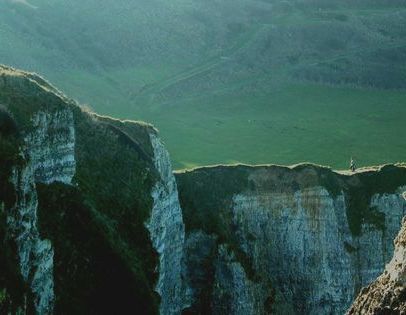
(113, 198)
(349, 248)
(359, 193)
(359, 188)
(124, 138)
(97, 269)
(9, 143)
(12, 287)
(323, 176)
(206, 200)
(24, 96)
(111, 171)
(136, 132)
(200, 256)
(8, 126)
(270, 301)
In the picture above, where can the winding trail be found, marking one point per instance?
(149, 93)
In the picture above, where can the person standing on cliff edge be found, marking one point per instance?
(352, 165)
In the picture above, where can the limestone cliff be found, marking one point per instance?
(299, 240)
(386, 295)
(49, 157)
(168, 233)
(89, 215)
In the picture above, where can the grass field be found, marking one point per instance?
(237, 81)
(292, 124)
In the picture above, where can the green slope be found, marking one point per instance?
(226, 81)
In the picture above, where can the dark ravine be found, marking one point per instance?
(93, 221)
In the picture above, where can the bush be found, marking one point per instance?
(8, 125)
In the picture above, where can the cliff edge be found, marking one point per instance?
(87, 206)
(287, 240)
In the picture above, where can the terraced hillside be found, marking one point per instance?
(226, 81)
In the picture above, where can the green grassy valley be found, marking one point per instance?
(229, 81)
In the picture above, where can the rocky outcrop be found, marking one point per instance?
(301, 240)
(199, 249)
(35, 254)
(73, 219)
(167, 233)
(48, 153)
(51, 146)
(386, 295)
(233, 291)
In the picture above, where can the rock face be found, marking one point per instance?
(76, 193)
(48, 151)
(296, 241)
(167, 233)
(233, 291)
(387, 295)
(51, 146)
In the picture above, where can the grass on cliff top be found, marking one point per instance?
(296, 123)
(221, 183)
(23, 94)
(287, 125)
(229, 82)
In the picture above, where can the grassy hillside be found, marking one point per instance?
(226, 81)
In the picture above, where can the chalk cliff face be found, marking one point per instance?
(51, 146)
(48, 151)
(167, 232)
(296, 241)
(386, 295)
(89, 209)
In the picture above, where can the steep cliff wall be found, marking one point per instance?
(48, 152)
(387, 295)
(168, 233)
(90, 218)
(299, 240)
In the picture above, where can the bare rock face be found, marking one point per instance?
(234, 292)
(167, 233)
(51, 146)
(387, 295)
(300, 240)
(48, 152)
(46, 155)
